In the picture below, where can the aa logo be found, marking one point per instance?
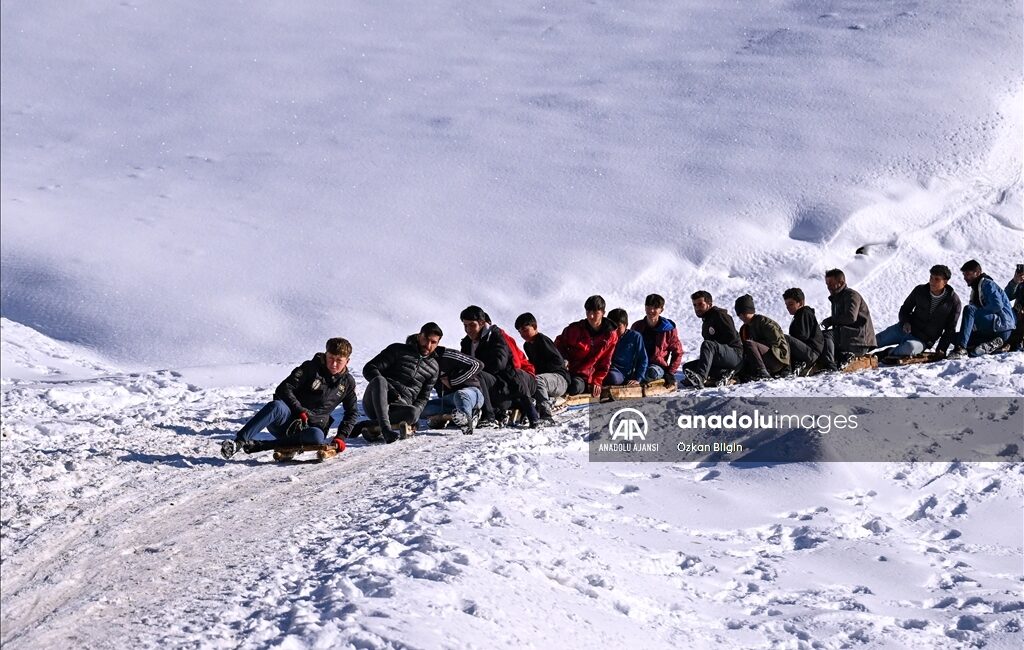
(628, 424)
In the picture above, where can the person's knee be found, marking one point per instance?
(281, 409)
(903, 350)
(314, 436)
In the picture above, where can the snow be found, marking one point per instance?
(177, 192)
(194, 197)
(123, 526)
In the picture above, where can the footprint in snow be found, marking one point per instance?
(921, 511)
(876, 526)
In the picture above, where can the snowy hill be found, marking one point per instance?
(200, 184)
(122, 527)
(195, 196)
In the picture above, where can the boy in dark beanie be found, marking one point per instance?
(765, 348)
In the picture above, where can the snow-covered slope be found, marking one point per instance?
(26, 354)
(195, 196)
(123, 528)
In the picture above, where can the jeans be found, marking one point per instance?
(906, 344)
(465, 400)
(654, 373)
(275, 417)
(614, 378)
(978, 325)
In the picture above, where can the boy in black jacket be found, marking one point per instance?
(399, 381)
(805, 337)
(308, 396)
(552, 375)
(929, 314)
(722, 351)
(503, 384)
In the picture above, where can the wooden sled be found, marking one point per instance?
(577, 400)
(925, 357)
(323, 452)
(862, 362)
(619, 393)
(656, 388)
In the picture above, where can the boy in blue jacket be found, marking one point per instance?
(988, 320)
(629, 361)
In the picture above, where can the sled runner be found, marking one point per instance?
(858, 363)
(323, 452)
(925, 357)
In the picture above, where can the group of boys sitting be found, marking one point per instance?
(489, 376)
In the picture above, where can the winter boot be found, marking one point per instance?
(228, 449)
(988, 347)
(725, 379)
(957, 353)
(692, 379)
(462, 421)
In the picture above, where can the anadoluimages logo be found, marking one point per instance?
(628, 424)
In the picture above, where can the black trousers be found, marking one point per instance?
(800, 352)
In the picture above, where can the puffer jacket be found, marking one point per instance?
(410, 375)
(931, 326)
(661, 343)
(311, 388)
(588, 351)
(851, 318)
(805, 328)
(767, 332)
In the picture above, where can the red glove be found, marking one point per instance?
(304, 417)
(339, 442)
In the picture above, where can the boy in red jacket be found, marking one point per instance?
(587, 346)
